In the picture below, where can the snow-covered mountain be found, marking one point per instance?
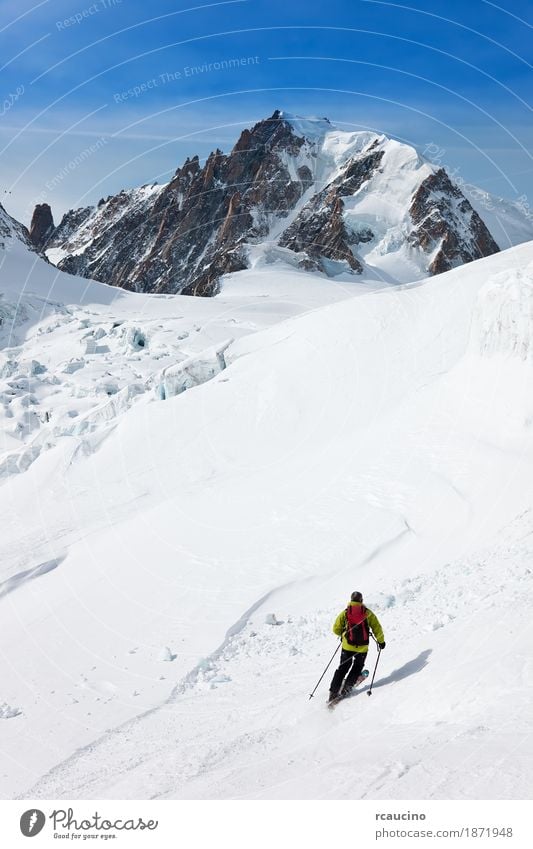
(195, 511)
(292, 190)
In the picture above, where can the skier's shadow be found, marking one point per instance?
(409, 668)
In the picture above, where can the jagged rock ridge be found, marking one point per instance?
(332, 201)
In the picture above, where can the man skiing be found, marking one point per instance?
(352, 626)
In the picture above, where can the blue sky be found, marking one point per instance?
(119, 85)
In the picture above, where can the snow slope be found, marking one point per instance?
(381, 443)
(75, 356)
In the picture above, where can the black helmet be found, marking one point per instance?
(357, 596)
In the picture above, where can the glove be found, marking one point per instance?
(382, 645)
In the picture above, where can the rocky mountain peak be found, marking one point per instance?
(270, 134)
(439, 210)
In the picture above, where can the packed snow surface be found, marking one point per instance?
(171, 568)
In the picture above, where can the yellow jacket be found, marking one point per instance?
(340, 625)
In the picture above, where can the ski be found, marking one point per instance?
(363, 676)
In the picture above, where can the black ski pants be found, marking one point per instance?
(353, 659)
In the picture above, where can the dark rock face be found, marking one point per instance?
(272, 187)
(320, 231)
(42, 225)
(435, 212)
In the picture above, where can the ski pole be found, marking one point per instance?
(369, 692)
(325, 670)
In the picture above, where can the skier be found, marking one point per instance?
(352, 626)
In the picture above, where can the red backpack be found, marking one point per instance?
(356, 633)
